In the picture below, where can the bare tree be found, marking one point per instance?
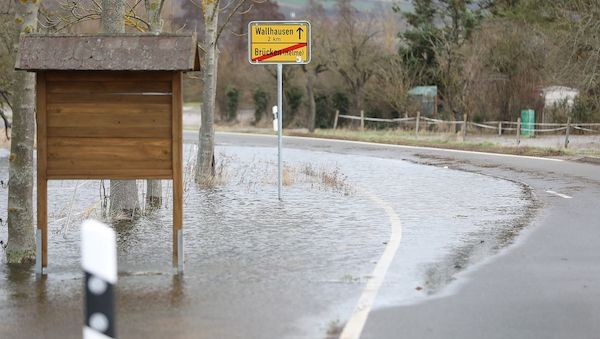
(391, 83)
(21, 230)
(320, 58)
(212, 32)
(154, 187)
(354, 53)
(123, 193)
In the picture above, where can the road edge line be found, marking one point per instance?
(355, 325)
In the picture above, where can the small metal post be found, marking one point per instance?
(279, 129)
(362, 120)
(568, 132)
(417, 124)
(38, 252)
(180, 260)
(518, 131)
(337, 116)
(499, 128)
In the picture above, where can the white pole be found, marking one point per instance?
(279, 128)
(99, 262)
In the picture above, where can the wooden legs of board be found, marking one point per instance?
(177, 134)
(41, 261)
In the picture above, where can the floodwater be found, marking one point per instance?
(260, 268)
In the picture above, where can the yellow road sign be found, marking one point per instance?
(279, 42)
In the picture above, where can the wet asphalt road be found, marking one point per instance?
(547, 285)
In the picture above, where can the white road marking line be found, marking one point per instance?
(402, 146)
(354, 326)
(560, 195)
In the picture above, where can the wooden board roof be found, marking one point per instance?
(108, 52)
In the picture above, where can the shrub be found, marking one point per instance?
(233, 99)
(261, 101)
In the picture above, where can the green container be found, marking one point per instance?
(527, 122)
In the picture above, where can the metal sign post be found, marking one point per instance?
(279, 129)
(279, 43)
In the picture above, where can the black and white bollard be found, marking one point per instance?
(99, 262)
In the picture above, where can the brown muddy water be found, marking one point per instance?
(260, 268)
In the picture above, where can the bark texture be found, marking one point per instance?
(154, 11)
(113, 20)
(21, 229)
(206, 152)
(154, 187)
(312, 107)
(124, 201)
(153, 194)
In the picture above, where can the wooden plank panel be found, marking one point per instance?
(124, 108)
(42, 180)
(103, 98)
(177, 135)
(107, 120)
(113, 132)
(89, 87)
(117, 142)
(105, 153)
(79, 165)
(107, 76)
(116, 174)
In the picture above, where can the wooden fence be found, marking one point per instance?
(500, 127)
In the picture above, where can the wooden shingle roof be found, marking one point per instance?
(109, 52)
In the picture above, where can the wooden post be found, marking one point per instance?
(518, 131)
(362, 120)
(417, 124)
(499, 128)
(42, 179)
(567, 132)
(464, 127)
(337, 116)
(177, 111)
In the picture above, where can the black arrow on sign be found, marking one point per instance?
(299, 30)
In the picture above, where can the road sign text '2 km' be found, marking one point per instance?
(279, 42)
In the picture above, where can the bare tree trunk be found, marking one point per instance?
(154, 187)
(113, 20)
(153, 194)
(21, 230)
(154, 10)
(312, 114)
(123, 193)
(206, 151)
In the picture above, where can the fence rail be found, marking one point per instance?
(500, 126)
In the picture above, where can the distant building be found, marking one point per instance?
(426, 99)
(558, 97)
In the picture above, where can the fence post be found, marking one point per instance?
(337, 116)
(518, 131)
(567, 132)
(499, 128)
(362, 120)
(464, 127)
(417, 124)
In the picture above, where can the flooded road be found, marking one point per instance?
(258, 268)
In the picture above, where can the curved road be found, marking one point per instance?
(547, 285)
